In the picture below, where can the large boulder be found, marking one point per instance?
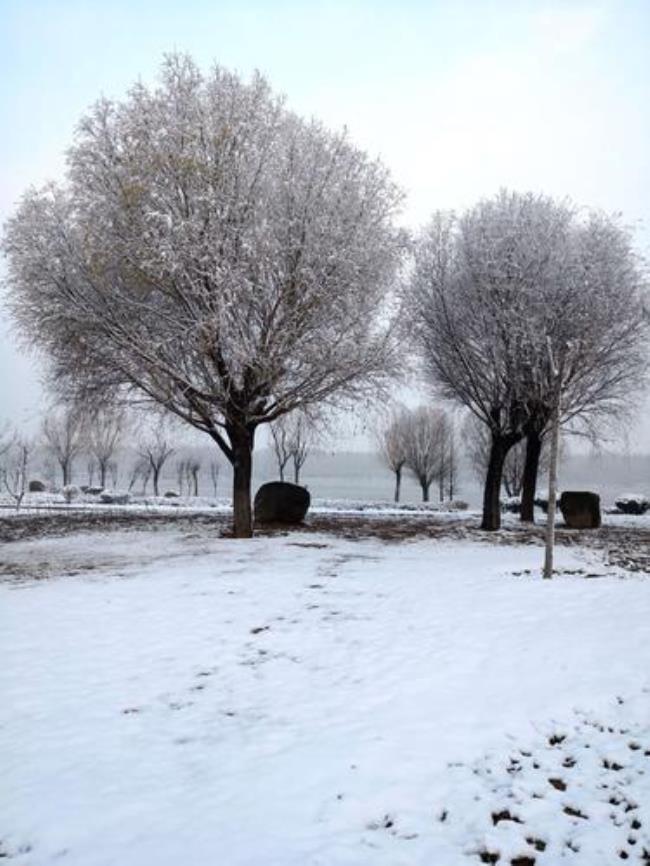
(281, 502)
(36, 486)
(580, 509)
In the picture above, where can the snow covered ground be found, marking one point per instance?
(172, 698)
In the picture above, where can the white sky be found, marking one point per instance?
(459, 98)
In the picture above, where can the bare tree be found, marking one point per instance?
(13, 470)
(391, 438)
(104, 432)
(140, 471)
(192, 469)
(292, 436)
(213, 253)
(155, 450)
(63, 435)
(302, 437)
(449, 467)
(491, 287)
(281, 439)
(181, 475)
(214, 476)
(426, 441)
(91, 468)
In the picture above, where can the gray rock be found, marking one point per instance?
(580, 509)
(112, 497)
(281, 502)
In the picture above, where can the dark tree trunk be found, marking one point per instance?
(491, 493)
(529, 478)
(156, 473)
(102, 473)
(296, 473)
(65, 469)
(242, 440)
(398, 483)
(441, 488)
(425, 491)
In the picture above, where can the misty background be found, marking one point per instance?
(457, 99)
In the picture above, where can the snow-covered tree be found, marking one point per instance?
(63, 434)
(427, 440)
(391, 435)
(14, 456)
(212, 253)
(491, 289)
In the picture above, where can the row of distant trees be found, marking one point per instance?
(214, 254)
(429, 444)
(68, 437)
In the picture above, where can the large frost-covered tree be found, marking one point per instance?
(497, 287)
(213, 253)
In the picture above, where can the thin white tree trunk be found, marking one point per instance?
(552, 482)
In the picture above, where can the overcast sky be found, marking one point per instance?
(458, 98)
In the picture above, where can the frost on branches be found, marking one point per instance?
(494, 288)
(212, 253)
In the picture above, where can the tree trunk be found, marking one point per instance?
(242, 439)
(492, 490)
(398, 483)
(552, 481)
(65, 468)
(529, 477)
(156, 473)
(296, 473)
(441, 488)
(425, 491)
(102, 474)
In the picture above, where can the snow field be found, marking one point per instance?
(307, 700)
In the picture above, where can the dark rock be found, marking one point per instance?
(112, 497)
(91, 491)
(281, 502)
(171, 494)
(36, 486)
(542, 502)
(580, 509)
(633, 504)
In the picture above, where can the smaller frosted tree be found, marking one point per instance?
(15, 455)
(63, 435)
(427, 440)
(391, 436)
(104, 431)
(155, 450)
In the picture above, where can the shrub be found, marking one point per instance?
(70, 492)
